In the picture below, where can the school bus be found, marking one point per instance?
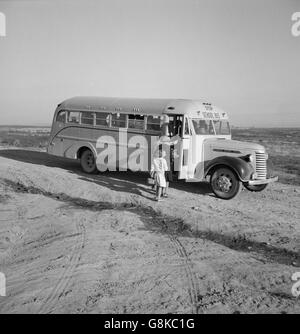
(83, 127)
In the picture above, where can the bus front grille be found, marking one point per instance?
(261, 165)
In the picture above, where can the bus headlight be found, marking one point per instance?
(250, 157)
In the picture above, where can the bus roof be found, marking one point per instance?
(138, 105)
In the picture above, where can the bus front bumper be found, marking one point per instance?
(257, 182)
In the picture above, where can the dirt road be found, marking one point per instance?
(75, 243)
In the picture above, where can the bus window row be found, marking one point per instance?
(116, 120)
(144, 123)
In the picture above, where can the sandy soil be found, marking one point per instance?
(75, 243)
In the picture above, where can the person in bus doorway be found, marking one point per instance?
(178, 126)
(158, 168)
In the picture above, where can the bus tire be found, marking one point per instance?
(225, 183)
(88, 162)
(257, 188)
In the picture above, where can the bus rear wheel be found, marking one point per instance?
(257, 188)
(225, 183)
(88, 162)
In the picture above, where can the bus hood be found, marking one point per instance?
(233, 146)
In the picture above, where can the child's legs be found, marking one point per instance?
(158, 191)
(166, 188)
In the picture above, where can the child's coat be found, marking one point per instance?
(160, 166)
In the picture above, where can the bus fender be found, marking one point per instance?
(242, 168)
(74, 150)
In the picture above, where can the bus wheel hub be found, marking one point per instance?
(224, 183)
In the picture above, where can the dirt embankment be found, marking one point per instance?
(74, 243)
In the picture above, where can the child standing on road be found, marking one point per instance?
(158, 168)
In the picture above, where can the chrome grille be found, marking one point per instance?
(261, 165)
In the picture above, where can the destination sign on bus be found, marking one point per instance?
(212, 115)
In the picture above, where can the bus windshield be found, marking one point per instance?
(222, 127)
(210, 127)
(203, 126)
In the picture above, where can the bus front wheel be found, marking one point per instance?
(88, 162)
(225, 183)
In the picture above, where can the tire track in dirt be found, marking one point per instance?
(60, 288)
(172, 228)
(192, 280)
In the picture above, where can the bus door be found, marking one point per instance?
(185, 151)
(172, 127)
(201, 129)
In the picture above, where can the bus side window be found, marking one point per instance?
(87, 118)
(118, 120)
(74, 117)
(102, 119)
(153, 123)
(61, 116)
(136, 122)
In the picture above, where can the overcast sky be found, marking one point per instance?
(238, 54)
